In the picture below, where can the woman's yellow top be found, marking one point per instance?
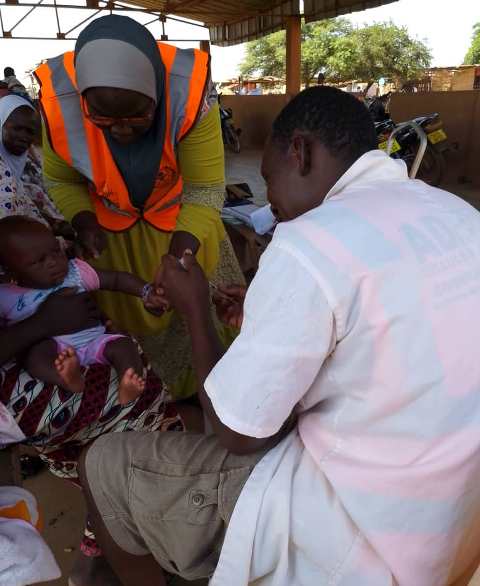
(139, 250)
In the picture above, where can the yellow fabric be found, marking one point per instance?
(202, 159)
(64, 184)
(140, 249)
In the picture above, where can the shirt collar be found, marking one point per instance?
(368, 169)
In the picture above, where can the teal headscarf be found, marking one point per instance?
(116, 51)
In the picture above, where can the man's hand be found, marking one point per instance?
(184, 284)
(91, 239)
(228, 300)
(66, 312)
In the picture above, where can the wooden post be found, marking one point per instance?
(205, 46)
(294, 43)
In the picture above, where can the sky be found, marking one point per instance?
(444, 25)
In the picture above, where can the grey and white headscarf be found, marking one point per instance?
(118, 52)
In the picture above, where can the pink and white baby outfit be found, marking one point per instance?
(19, 303)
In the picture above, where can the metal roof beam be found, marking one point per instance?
(95, 7)
(82, 22)
(34, 6)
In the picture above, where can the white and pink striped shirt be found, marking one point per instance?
(365, 317)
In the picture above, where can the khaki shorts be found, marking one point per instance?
(170, 494)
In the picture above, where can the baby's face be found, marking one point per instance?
(36, 259)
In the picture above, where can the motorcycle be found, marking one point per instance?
(406, 144)
(230, 134)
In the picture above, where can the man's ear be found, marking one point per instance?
(302, 151)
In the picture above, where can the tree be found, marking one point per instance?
(379, 50)
(266, 56)
(473, 55)
(319, 45)
(343, 53)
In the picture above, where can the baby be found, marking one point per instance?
(37, 267)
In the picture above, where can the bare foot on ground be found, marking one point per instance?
(68, 367)
(131, 387)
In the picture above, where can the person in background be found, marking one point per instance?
(22, 191)
(321, 79)
(346, 414)
(255, 90)
(12, 82)
(58, 423)
(133, 156)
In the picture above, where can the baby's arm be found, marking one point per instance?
(121, 282)
(132, 285)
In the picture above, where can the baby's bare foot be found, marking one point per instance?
(131, 387)
(68, 367)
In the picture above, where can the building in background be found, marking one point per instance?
(252, 86)
(450, 79)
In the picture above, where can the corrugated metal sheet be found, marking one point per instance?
(214, 12)
(236, 21)
(320, 9)
(254, 27)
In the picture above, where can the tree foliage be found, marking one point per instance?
(267, 56)
(319, 44)
(473, 54)
(343, 53)
(379, 50)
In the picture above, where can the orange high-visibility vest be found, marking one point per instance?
(83, 146)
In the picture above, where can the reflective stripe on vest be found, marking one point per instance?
(180, 76)
(69, 101)
(83, 146)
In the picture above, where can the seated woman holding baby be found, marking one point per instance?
(62, 392)
(65, 379)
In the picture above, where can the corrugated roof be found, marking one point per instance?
(236, 21)
(265, 21)
(320, 9)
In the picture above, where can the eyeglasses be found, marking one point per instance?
(108, 121)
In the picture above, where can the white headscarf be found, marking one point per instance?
(9, 104)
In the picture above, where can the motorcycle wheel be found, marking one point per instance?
(432, 167)
(231, 138)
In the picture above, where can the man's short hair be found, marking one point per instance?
(8, 72)
(337, 120)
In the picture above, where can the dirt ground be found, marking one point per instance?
(64, 515)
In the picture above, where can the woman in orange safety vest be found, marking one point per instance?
(133, 157)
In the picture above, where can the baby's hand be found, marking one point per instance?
(154, 300)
